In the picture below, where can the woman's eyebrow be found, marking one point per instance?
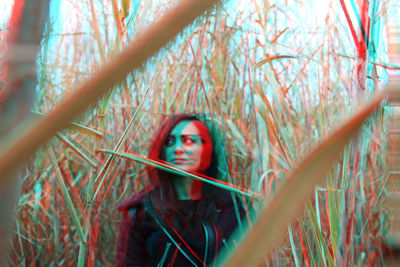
(192, 135)
(186, 135)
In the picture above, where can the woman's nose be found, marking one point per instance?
(179, 150)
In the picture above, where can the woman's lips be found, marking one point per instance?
(177, 161)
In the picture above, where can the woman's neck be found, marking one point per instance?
(187, 188)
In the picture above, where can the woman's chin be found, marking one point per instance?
(187, 169)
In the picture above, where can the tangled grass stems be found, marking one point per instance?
(272, 114)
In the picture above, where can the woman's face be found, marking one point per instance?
(189, 146)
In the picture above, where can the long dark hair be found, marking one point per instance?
(164, 200)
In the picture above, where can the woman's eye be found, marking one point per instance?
(170, 141)
(188, 140)
(199, 141)
(194, 140)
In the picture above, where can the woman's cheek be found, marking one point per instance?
(167, 156)
(206, 158)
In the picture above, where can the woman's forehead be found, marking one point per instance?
(190, 128)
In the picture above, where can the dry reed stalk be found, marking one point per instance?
(16, 97)
(176, 170)
(271, 223)
(35, 134)
(161, 33)
(226, 58)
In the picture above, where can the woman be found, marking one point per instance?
(179, 221)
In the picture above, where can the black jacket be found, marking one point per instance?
(145, 239)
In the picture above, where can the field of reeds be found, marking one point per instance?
(278, 78)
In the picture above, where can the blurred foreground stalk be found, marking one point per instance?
(18, 146)
(26, 26)
(271, 224)
(25, 143)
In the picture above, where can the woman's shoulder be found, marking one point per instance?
(136, 200)
(227, 198)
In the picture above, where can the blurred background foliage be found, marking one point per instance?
(276, 76)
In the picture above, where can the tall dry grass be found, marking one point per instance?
(275, 85)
